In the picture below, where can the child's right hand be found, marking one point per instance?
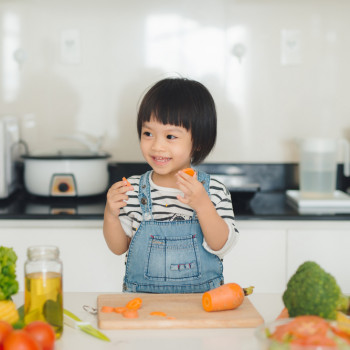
(116, 197)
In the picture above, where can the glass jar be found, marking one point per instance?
(43, 299)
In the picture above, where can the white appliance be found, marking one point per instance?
(338, 203)
(9, 154)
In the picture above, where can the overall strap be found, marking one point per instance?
(145, 196)
(204, 178)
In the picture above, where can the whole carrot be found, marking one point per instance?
(226, 297)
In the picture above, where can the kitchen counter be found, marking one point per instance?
(268, 305)
(265, 205)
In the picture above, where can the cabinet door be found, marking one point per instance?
(329, 248)
(88, 264)
(258, 260)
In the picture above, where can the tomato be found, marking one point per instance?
(281, 333)
(305, 326)
(315, 340)
(5, 330)
(20, 340)
(43, 333)
(301, 327)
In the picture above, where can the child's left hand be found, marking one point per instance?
(195, 194)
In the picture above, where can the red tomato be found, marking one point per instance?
(20, 340)
(315, 340)
(5, 330)
(301, 327)
(43, 333)
(308, 325)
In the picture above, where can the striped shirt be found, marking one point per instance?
(166, 207)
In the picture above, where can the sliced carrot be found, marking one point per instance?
(188, 171)
(134, 304)
(226, 297)
(127, 183)
(107, 309)
(119, 309)
(171, 318)
(130, 313)
(158, 313)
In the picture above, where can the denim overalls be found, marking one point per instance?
(168, 256)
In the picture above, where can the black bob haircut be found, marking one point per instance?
(186, 103)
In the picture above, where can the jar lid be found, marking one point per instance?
(43, 252)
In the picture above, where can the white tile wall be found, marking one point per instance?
(115, 49)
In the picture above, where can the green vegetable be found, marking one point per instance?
(8, 282)
(313, 291)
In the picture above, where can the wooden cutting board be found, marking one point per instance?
(183, 311)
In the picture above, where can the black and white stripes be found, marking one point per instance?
(166, 207)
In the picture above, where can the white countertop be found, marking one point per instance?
(268, 305)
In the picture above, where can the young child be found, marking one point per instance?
(175, 227)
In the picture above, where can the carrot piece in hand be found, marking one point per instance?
(119, 309)
(226, 297)
(127, 183)
(107, 309)
(134, 304)
(130, 313)
(188, 171)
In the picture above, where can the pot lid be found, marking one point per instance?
(67, 154)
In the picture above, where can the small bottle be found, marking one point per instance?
(43, 298)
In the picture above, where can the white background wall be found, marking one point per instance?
(125, 46)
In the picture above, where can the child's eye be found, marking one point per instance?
(171, 137)
(147, 133)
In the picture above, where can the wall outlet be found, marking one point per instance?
(291, 47)
(70, 46)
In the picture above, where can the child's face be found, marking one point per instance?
(166, 148)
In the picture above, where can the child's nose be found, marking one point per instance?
(158, 144)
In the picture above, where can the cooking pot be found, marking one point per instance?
(66, 174)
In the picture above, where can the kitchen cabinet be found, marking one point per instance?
(325, 242)
(328, 247)
(258, 260)
(266, 255)
(88, 264)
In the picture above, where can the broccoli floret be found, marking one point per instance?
(8, 282)
(313, 291)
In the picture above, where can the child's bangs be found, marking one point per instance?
(172, 117)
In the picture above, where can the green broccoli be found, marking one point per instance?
(313, 291)
(8, 282)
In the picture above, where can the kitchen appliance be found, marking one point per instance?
(68, 172)
(318, 166)
(338, 203)
(241, 189)
(9, 154)
(182, 311)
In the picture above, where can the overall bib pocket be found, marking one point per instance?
(172, 258)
